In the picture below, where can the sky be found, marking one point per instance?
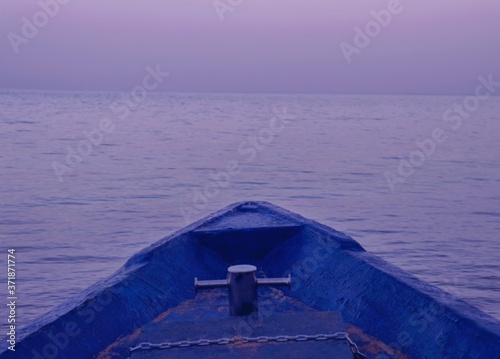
(419, 46)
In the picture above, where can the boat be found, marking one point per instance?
(254, 280)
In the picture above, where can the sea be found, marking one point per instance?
(90, 178)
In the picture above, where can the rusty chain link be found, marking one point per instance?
(261, 339)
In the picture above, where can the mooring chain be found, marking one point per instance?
(262, 339)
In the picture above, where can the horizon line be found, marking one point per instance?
(251, 92)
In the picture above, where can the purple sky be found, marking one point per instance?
(431, 46)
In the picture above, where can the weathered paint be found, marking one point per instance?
(330, 271)
(273, 322)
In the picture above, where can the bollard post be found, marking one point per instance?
(242, 284)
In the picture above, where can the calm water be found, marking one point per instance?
(328, 163)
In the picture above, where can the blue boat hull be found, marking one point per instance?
(387, 311)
